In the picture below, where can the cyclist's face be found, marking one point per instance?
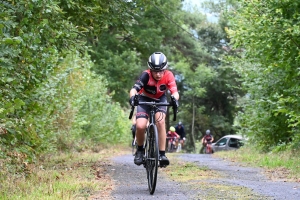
(157, 75)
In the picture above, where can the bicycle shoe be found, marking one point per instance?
(163, 160)
(139, 157)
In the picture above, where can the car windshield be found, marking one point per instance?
(222, 142)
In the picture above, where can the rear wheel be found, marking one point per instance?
(152, 158)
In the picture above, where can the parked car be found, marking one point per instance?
(228, 142)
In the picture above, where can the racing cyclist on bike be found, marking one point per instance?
(207, 139)
(180, 131)
(173, 138)
(152, 85)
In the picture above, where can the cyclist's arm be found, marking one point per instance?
(176, 95)
(139, 84)
(132, 92)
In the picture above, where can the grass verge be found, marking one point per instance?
(203, 182)
(284, 165)
(62, 176)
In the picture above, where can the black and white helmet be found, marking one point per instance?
(158, 61)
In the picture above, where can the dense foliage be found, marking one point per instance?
(267, 34)
(50, 100)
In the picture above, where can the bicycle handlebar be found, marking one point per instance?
(153, 103)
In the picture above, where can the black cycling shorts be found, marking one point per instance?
(144, 110)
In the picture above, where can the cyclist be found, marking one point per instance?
(173, 135)
(207, 139)
(152, 85)
(180, 131)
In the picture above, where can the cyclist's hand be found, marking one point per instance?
(131, 101)
(175, 102)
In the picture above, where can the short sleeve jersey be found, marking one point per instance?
(208, 137)
(152, 88)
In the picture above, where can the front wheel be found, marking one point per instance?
(152, 154)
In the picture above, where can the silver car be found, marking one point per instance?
(228, 142)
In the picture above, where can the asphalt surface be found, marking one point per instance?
(131, 181)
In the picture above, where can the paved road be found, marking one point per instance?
(131, 180)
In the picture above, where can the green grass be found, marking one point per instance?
(60, 176)
(285, 164)
(186, 171)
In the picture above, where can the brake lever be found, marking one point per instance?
(174, 107)
(131, 112)
(136, 101)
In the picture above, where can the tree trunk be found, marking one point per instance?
(193, 124)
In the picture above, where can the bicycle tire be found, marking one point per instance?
(152, 154)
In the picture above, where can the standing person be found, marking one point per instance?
(180, 131)
(152, 85)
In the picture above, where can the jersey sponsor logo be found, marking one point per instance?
(150, 89)
(162, 87)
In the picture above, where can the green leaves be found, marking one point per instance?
(269, 33)
(37, 84)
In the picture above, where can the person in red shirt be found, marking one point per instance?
(152, 85)
(172, 137)
(207, 139)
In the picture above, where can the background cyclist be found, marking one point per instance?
(207, 139)
(152, 85)
(173, 138)
(180, 131)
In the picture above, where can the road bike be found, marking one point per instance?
(208, 148)
(151, 157)
(171, 141)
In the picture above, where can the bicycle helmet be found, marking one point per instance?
(172, 129)
(157, 61)
(207, 132)
(179, 123)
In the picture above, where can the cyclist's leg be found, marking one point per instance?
(161, 127)
(181, 142)
(140, 130)
(160, 123)
(141, 124)
(176, 142)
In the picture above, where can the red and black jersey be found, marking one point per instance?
(148, 86)
(208, 138)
